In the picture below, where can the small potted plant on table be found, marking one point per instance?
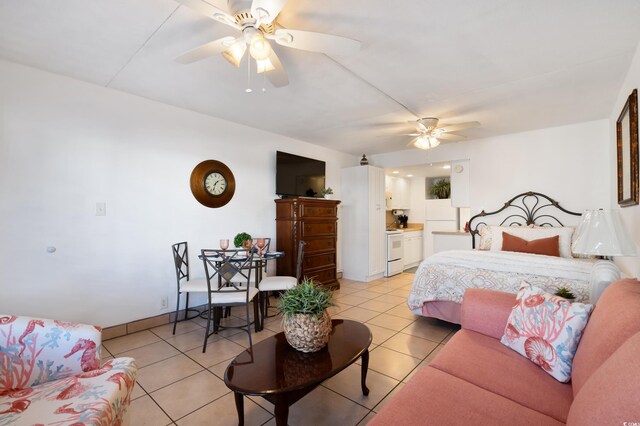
(240, 238)
(306, 322)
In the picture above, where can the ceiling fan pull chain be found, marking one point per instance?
(264, 78)
(248, 89)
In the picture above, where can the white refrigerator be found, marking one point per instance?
(439, 216)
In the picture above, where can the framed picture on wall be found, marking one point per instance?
(627, 143)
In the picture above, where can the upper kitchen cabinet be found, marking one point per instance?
(398, 193)
(460, 183)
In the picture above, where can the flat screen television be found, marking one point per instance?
(298, 176)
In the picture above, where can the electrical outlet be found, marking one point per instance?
(164, 302)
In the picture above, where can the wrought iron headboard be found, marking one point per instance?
(528, 211)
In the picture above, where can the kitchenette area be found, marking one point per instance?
(394, 218)
(423, 212)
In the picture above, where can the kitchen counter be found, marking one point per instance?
(450, 233)
(410, 227)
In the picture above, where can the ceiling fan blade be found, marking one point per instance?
(267, 10)
(411, 134)
(206, 50)
(316, 42)
(210, 11)
(450, 137)
(277, 76)
(459, 126)
(413, 141)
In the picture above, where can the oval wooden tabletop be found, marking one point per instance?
(275, 367)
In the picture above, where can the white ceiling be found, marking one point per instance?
(513, 65)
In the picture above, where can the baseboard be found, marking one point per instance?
(143, 324)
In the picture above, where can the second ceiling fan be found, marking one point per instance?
(257, 20)
(429, 132)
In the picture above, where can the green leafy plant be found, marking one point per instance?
(327, 191)
(305, 298)
(441, 189)
(565, 293)
(242, 236)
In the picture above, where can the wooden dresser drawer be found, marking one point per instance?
(319, 244)
(310, 229)
(316, 211)
(323, 276)
(318, 260)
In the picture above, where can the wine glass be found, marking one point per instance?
(224, 245)
(260, 243)
(246, 244)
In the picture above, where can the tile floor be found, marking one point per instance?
(179, 385)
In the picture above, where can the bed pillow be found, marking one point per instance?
(546, 329)
(529, 234)
(545, 246)
(485, 237)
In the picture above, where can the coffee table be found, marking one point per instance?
(283, 375)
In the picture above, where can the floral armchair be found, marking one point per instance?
(50, 374)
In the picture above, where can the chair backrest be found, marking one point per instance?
(181, 260)
(300, 259)
(221, 267)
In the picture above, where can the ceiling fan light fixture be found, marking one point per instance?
(235, 53)
(264, 65)
(260, 48)
(426, 142)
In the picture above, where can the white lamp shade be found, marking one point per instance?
(601, 233)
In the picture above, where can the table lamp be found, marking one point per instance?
(601, 233)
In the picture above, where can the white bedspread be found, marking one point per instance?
(446, 275)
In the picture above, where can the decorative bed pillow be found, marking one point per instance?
(485, 237)
(536, 233)
(546, 329)
(546, 246)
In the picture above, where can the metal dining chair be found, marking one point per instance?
(185, 284)
(279, 282)
(219, 270)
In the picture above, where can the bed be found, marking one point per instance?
(441, 279)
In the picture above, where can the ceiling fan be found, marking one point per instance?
(257, 20)
(429, 132)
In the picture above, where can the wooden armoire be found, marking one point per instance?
(314, 220)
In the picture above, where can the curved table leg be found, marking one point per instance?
(239, 407)
(365, 368)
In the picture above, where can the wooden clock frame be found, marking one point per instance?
(197, 181)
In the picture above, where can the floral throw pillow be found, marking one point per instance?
(546, 329)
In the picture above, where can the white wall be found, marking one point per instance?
(630, 266)
(65, 145)
(568, 163)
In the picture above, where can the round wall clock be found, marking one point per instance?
(212, 183)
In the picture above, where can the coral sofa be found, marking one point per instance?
(50, 374)
(475, 379)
